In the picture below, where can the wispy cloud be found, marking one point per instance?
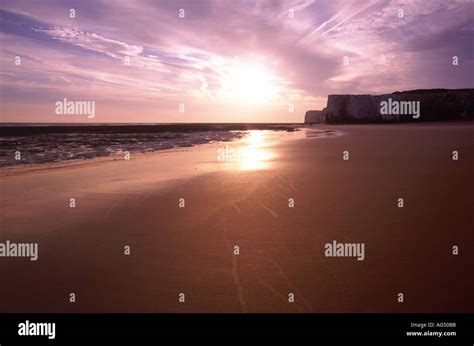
(94, 42)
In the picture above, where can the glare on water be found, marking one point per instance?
(255, 154)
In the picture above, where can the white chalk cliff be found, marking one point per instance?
(434, 105)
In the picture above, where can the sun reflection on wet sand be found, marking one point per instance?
(258, 150)
(255, 154)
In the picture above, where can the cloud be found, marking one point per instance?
(94, 42)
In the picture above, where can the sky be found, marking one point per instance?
(223, 60)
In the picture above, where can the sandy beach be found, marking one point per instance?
(190, 250)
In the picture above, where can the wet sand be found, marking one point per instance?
(191, 249)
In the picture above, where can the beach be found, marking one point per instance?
(182, 212)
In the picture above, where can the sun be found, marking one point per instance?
(250, 84)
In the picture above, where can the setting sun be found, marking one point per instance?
(249, 84)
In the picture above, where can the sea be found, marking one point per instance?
(45, 143)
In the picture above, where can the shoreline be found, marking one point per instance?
(144, 150)
(22, 168)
